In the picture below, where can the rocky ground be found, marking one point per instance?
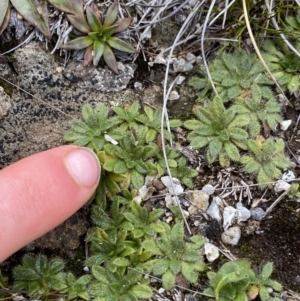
(33, 122)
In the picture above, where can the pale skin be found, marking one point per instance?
(41, 191)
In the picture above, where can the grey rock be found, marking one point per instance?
(214, 209)
(198, 200)
(5, 103)
(243, 213)
(231, 236)
(181, 65)
(257, 213)
(38, 123)
(191, 58)
(101, 79)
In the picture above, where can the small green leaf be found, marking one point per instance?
(121, 262)
(100, 274)
(230, 272)
(110, 59)
(120, 45)
(293, 85)
(79, 43)
(141, 291)
(141, 167)
(187, 182)
(188, 272)
(168, 280)
(155, 215)
(111, 14)
(158, 228)
(174, 123)
(177, 233)
(137, 179)
(120, 167)
(232, 151)
(192, 124)
(151, 135)
(267, 270)
(199, 142)
(263, 293)
(98, 51)
(93, 14)
(160, 267)
(110, 164)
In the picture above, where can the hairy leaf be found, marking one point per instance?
(168, 280)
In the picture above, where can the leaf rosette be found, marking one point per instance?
(221, 130)
(100, 39)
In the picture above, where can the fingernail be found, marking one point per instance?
(83, 165)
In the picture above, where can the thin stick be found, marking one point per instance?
(203, 49)
(258, 51)
(277, 201)
(164, 110)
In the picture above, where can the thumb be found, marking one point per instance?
(41, 191)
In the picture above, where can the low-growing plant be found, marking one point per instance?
(284, 64)
(92, 130)
(152, 120)
(175, 256)
(236, 281)
(234, 75)
(111, 183)
(266, 160)
(220, 129)
(116, 239)
(172, 157)
(40, 276)
(129, 156)
(3, 280)
(142, 223)
(116, 286)
(128, 115)
(78, 288)
(294, 193)
(259, 112)
(100, 39)
(183, 172)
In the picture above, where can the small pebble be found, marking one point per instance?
(180, 79)
(211, 252)
(209, 189)
(174, 95)
(297, 279)
(229, 215)
(198, 200)
(138, 86)
(191, 58)
(213, 210)
(181, 65)
(167, 181)
(231, 236)
(243, 213)
(281, 186)
(257, 213)
(284, 125)
(288, 176)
